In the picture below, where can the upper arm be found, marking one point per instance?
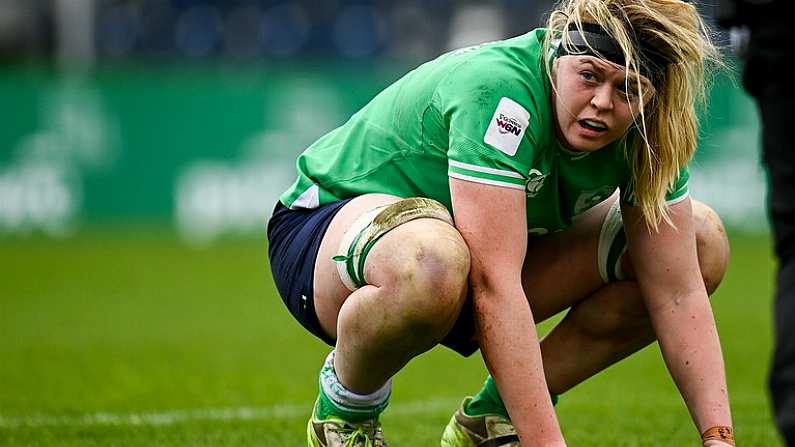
(492, 221)
(665, 261)
(492, 122)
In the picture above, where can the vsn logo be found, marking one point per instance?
(506, 124)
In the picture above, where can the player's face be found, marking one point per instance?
(593, 102)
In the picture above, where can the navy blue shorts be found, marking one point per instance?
(294, 238)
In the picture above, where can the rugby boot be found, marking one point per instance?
(336, 432)
(489, 430)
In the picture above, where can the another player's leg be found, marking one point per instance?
(607, 320)
(410, 282)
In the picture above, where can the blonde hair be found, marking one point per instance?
(664, 137)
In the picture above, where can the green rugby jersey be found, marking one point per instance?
(481, 114)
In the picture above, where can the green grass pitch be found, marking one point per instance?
(131, 339)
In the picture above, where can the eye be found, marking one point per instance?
(587, 76)
(629, 94)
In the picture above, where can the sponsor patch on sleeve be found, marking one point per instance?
(507, 126)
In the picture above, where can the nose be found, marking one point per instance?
(603, 97)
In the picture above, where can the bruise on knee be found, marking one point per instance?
(421, 268)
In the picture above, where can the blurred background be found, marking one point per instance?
(190, 113)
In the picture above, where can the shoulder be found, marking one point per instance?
(511, 67)
(507, 76)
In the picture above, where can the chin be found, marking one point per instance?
(586, 145)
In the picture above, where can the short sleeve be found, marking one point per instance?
(678, 192)
(490, 127)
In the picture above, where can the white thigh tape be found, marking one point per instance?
(373, 224)
(356, 228)
(609, 252)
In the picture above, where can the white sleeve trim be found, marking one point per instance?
(678, 199)
(484, 181)
(483, 169)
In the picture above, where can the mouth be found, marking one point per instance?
(593, 125)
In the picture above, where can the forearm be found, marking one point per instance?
(510, 348)
(689, 342)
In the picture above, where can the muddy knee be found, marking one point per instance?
(712, 245)
(411, 250)
(425, 263)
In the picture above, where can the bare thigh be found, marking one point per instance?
(329, 291)
(560, 269)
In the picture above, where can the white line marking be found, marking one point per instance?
(172, 417)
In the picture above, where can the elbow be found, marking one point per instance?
(493, 284)
(662, 299)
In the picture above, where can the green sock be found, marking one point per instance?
(335, 400)
(488, 401)
(326, 408)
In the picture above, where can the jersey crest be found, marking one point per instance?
(535, 181)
